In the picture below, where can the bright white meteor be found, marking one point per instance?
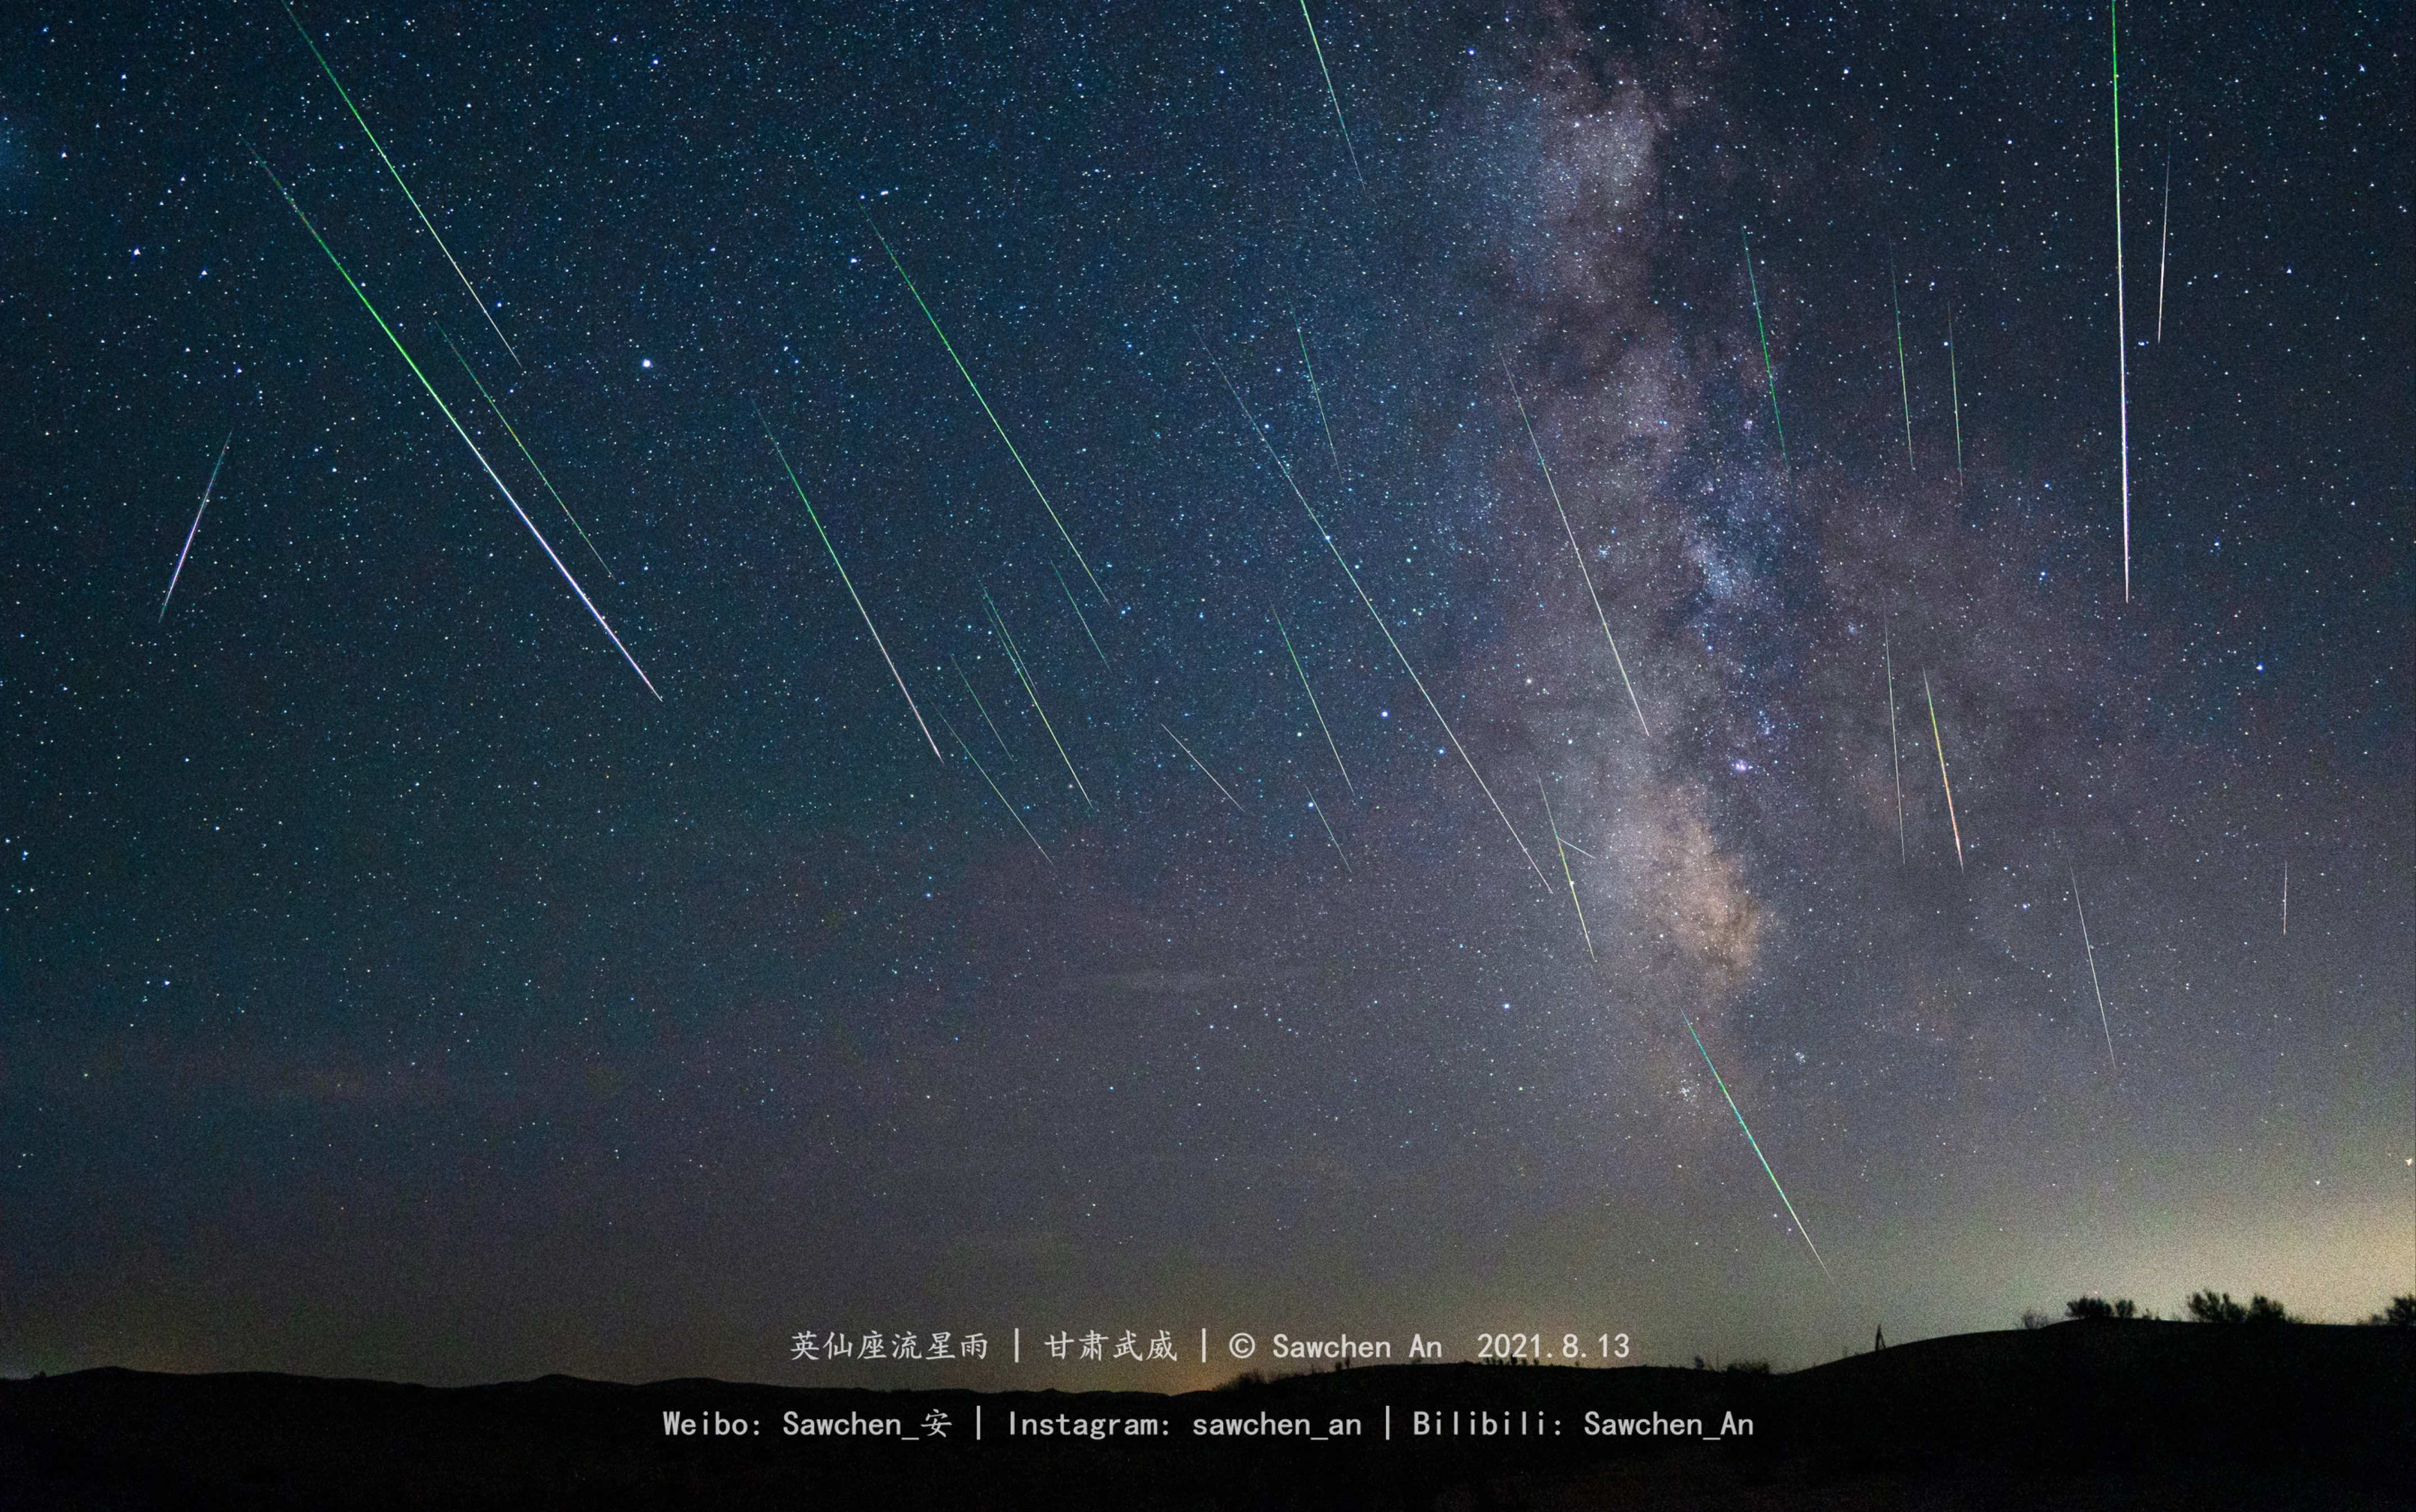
(197, 523)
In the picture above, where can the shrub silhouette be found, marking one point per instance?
(2216, 1308)
(1748, 1368)
(2093, 1309)
(2262, 1308)
(2034, 1319)
(2400, 1314)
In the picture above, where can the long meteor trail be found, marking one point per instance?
(1895, 751)
(1327, 537)
(1312, 703)
(1582, 570)
(1319, 394)
(397, 173)
(1955, 388)
(2163, 246)
(455, 422)
(1563, 847)
(1329, 835)
(1319, 49)
(994, 422)
(2121, 335)
(205, 504)
(1940, 741)
(1903, 380)
(524, 454)
(1080, 618)
(1015, 659)
(850, 583)
(980, 708)
(994, 785)
(1203, 768)
(1769, 374)
(1756, 1150)
(2091, 951)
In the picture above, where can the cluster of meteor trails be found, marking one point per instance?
(1019, 664)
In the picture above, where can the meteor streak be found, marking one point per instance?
(1756, 1150)
(2121, 338)
(1895, 752)
(1203, 769)
(455, 422)
(1079, 618)
(980, 708)
(1329, 835)
(2163, 246)
(1582, 571)
(995, 424)
(848, 581)
(214, 483)
(1955, 387)
(1332, 95)
(2285, 898)
(1938, 740)
(1769, 375)
(1563, 847)
(1327, 537)
(1015, 658)
(993, 786)
(2091, 951)
(1319, 394)
(524, 454)
(1312, 703)
(400, 184)
(1903, 382)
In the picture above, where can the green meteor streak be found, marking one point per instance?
(1563, 847)
(1329, 834)
(1332, 95)
(1312, 703)
(1079, 617)
(2122, 333)
(1903, 382)
(1940, 741)
(1574, 551)
(1319, 394)
(950, 348)
(1015, 658)
(524, 453)
(1768, 374)
(452, 420)
(1955, 387)
(993, 786)
(981, 709)
(400, 184)
(1203, 768)
(843, 578)
(1327, 537)
(1895, 752)
(1756, 1151)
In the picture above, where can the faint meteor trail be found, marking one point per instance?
(1940, 741)
(1312, 703)
(524, 452)
(1561, 846)
(1319, 49)
(1015, 658)
(1895, 752)
(1769, 376)
(205, 504)
(2121, 335)
(1077, 605)
(1955, 387)
(1903, 382)
(2163, 246)
(2091, 951)
(1203, 768)
(400, 184)
(993, 786)
(2285, 899)
(1574, 551)
(979, 708)
(455, 422)
(1319, 394)
(1327, 537)
(1329, 834)
(995, 424)
(1756, 1150)
(850, 583)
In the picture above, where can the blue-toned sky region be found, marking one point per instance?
(390, 986)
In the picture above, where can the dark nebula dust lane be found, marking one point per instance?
(1447, 817)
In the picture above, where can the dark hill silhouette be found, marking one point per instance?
(2080, 1416)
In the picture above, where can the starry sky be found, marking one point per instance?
(391, 985)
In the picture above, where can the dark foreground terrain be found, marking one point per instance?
(2130, 1414)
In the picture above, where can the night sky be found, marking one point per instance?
(390, 985)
